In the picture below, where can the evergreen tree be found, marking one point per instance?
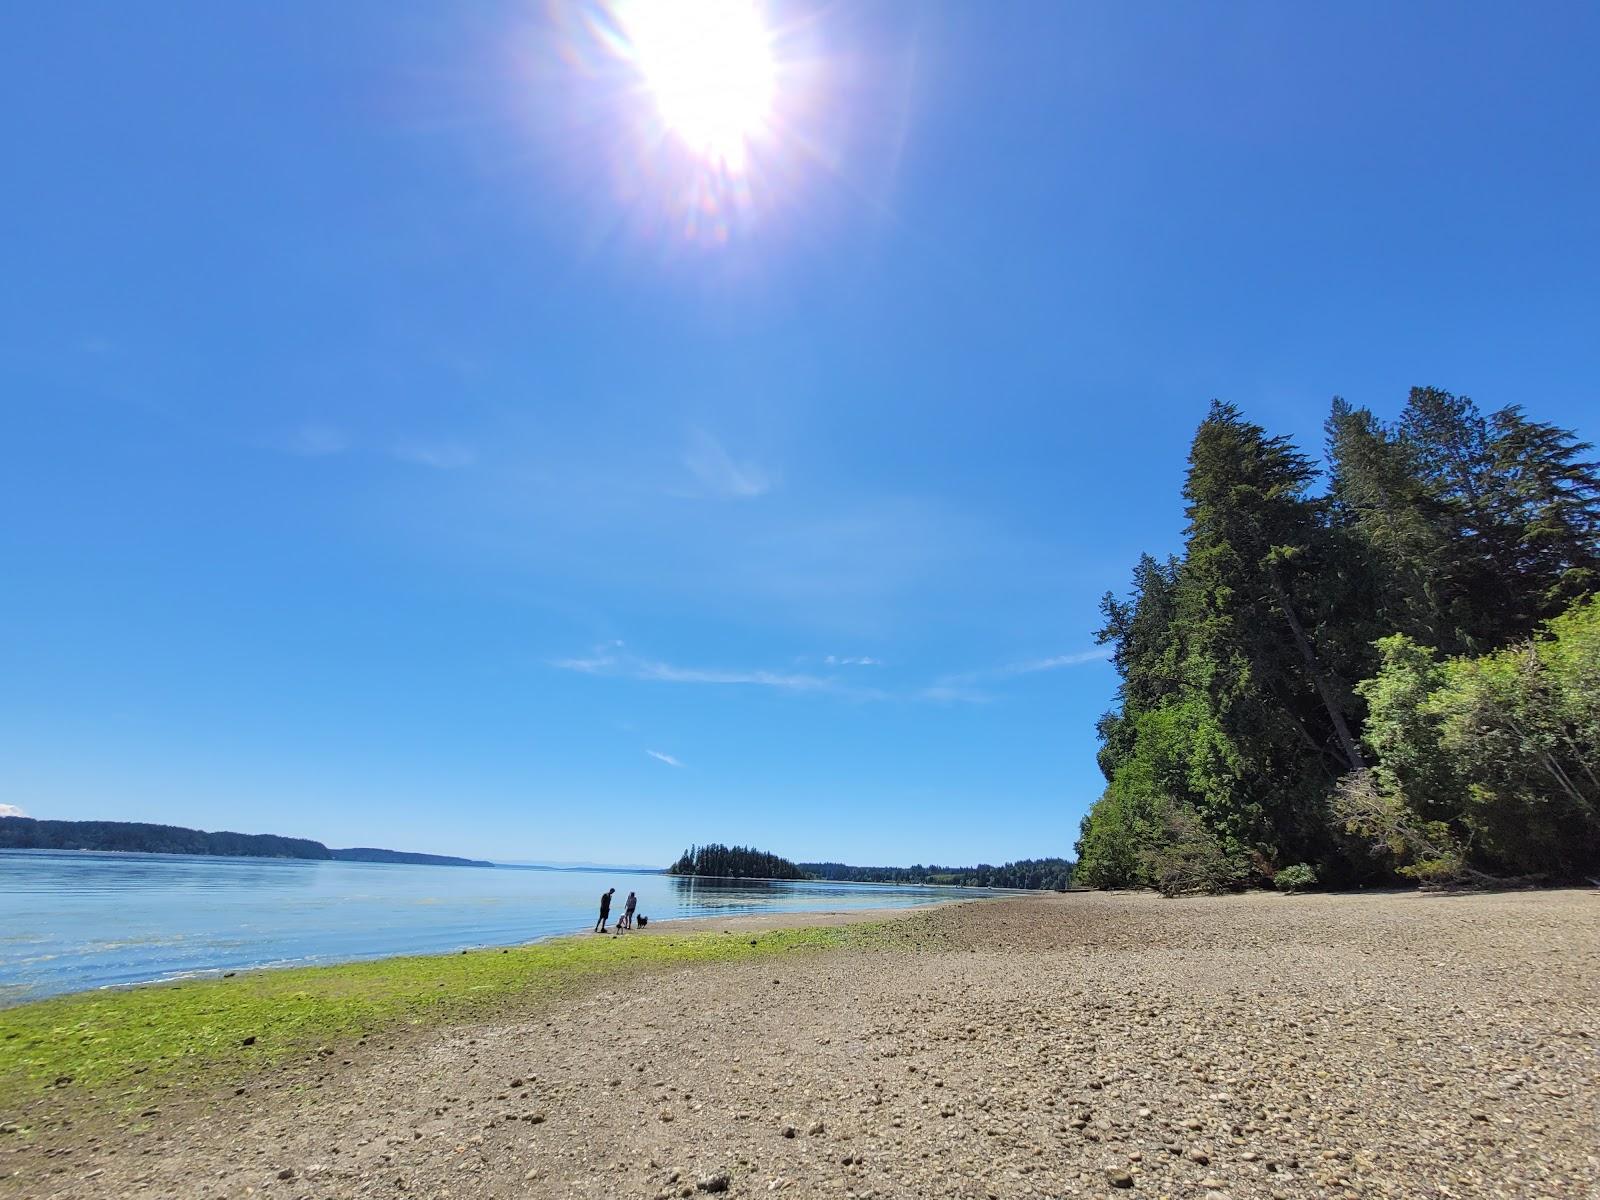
(1550, 497)
(1238, 723)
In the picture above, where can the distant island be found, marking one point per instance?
(717, 861)
(27, 833)
(733, 862)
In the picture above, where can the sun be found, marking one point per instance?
(709, 67)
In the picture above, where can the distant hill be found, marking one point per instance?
(371, 854)
(27, 833)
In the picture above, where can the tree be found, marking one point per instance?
(1492, 760)
(1441, 546)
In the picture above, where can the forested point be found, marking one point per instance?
(1394, 676)
(742, 862)
(1053, 874)
(27, 833)
(734, 862)
(373, 854)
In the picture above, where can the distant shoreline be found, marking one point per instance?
(30, 833)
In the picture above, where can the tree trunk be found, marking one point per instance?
(1341, 727)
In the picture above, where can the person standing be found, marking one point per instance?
(627, 911)
(605, 910)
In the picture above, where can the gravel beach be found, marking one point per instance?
(1388, 1044)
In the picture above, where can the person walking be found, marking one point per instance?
(627, 911)
(605, 910)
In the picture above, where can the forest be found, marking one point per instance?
(1390, 670)
(26, 833)
(1041, 873)
(733, 862)
(741, 862)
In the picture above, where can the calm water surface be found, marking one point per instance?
(71, 920)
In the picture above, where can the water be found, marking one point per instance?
(72, 920)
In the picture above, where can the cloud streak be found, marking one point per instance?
(610, 661)
(719, 475)
(666, 758)
(316, 440)
(1029, 666)
(313, 440)
(441, 456)
(1057, 661)
(607, 661)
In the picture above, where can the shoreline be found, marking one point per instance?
(55, 959)
(765, 921)
(1255, 1047)
(211, 1028)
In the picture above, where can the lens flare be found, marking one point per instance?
(709, 67)
(710, 119)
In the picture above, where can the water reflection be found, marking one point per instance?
(732, 897)
(102, 871)
(79, 920)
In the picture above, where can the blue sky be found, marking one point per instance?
(394, 457)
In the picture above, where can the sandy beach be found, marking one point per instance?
(1391, 1044)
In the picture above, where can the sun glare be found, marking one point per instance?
(709, 67)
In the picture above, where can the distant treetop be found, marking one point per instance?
(734, 862)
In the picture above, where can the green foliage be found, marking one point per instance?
(137, 1040)
(1315, 669)
(26, 833)
(1498, 754)
(1052, 874)
(1428, 851)
(1189, 857)
(734, 862)
(1297, 878)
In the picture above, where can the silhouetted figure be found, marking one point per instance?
(627, 912)
(605, 911)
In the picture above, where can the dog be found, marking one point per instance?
(642, 920)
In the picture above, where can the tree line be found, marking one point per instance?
(26, 833)
(734, 862)
(743, 862)
(1396, 672)
(1053, 874)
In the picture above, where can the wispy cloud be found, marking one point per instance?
(314, 440)
(1056, 661)
(441, 456)
(608, 661)
(11, 810)
(611, 661)
(1027, 666)
(719, 475)
(666, 758)
(317, 440)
